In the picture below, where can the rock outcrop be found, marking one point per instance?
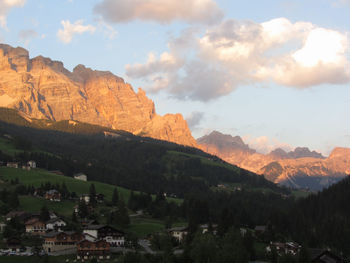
(280, 166)
(42, 88)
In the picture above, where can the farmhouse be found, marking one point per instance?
(179, 233)
(31, 164)
(80, 176)
(60, 241)
(12, 164)
(93, 249)
(35, 226)
(114, 237)
(56, 224)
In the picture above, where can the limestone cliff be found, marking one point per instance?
(44, 89)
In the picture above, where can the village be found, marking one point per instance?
(46, 233)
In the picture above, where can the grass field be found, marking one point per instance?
(36, 177)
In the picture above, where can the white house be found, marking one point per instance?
(114, 237)
(56, 224)
(179, 233)
(85, 197)
(80, 176)
(31, 164)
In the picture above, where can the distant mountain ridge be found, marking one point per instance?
(298, 168)
(43, 89)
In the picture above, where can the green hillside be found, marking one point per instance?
(120, 158)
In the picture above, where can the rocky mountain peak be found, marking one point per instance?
(42, 88)
(279, 153)
(302, 152)
(224, 141)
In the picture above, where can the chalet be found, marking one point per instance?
(61, 241)
(93, 249)
(179, 233)
(31, 164)
(14, 243)
(56, 224)
(85, 198)
(291, 248)
(12, 164)
(325, 256)
(114, 237)
(35, 226)
(80, 176)
(53, 195)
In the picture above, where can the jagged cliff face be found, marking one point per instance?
(44, 89)
(288, 168)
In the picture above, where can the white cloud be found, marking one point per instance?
(194, 119)
(69, 30)
(6, 6)
(237, 53)
(163, 11)
(264, 144)
(27, 35)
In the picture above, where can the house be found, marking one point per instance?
(35, 226)
(61, 241)
(85, 197)
(291, 248)
(80, 176)
(31, 164)
(325, 256)
(56, 224)
(114, 237)
(53, 195)
(179, 233)
(12, 164)
(14, 243)
(93, 249)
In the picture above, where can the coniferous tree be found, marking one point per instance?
(122, 216)
(115, 197)
(83, 209)
(44, 214)
(13, 200)
(92, 195)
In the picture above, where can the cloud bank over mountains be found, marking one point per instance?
(207, 65)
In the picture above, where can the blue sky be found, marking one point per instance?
(276, 73)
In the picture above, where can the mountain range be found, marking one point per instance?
(300, 168)
(40, 88)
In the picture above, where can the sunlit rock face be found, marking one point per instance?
(44, 89)
(278, 166)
